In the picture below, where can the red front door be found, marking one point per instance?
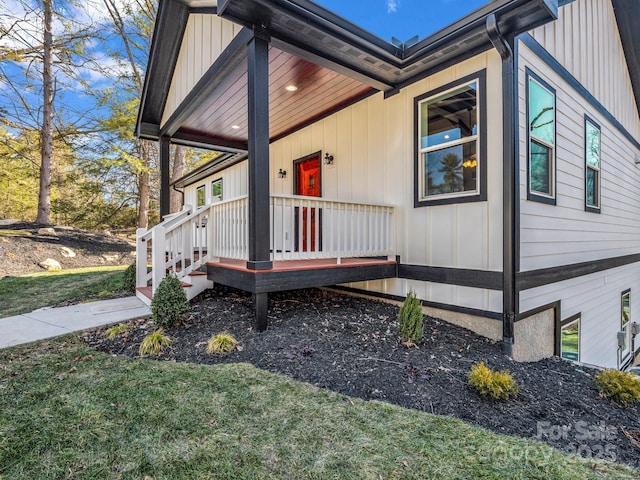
(307, 183)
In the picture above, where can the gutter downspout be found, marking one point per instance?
(510, 187)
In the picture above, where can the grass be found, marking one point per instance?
(27, 292)
(69, 412)
(4, 232)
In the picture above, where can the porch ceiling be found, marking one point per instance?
(220, 113)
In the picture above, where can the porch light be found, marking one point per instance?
(328, 159)
(235, 127)
(291, 88)
(282, 173)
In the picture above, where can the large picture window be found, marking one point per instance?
(541, 133)
(592, 165)
(450, 161)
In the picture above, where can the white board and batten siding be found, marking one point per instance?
(234, 184)
(205, 38)
(585, 40)
(373, 146)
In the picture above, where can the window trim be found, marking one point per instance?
(221, 188)
(203, 188)
(531, 195)
(565, 323)
(622, 356)
(587, 207)
(481, 141)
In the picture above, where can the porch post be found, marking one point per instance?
(164, 176)
(258, 126)
(258, 129)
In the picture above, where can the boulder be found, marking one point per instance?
(67, 252)
(46, 231)
(7, 221)
(50, 265)
(111, 257)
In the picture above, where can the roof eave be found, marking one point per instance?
(627, 13)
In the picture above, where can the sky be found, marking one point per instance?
(402, 18)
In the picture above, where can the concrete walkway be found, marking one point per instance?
(53, 322)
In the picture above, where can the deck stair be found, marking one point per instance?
(175, 246)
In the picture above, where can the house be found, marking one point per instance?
(492, 167)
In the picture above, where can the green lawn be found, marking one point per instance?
(27, 292)
(69, 412)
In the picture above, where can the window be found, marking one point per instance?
(570, 339)
(625, 330)
(200, 200)
(592, 165)
(541, 131)
(216, 190)
(450, 144)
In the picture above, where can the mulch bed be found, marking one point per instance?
(350, 345)
(22, 252)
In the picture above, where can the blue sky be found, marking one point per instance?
(402, 18)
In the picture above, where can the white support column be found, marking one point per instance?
(141, 258)
(158, 256)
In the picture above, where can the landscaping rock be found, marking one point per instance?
(50, 265)
(46, 231)
(67, 252)
(7, 221)
(111, 257)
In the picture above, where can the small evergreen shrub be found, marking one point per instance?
(129, 279)
(169, 305)
(221, 343)
(154, 343)
(621, 387)
(116, 331)
(498, 385)
(410, 319)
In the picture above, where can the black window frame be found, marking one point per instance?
(532, 195)
(587, 207)
(565, 323)
(204, 200)
(221, 188)
(481, 196)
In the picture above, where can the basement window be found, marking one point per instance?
(541, 139)
(450, 167)
(592, 166)
(570, 339)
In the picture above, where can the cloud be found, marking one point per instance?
(392, 6)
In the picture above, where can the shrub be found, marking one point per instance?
(116, 331)
(410, 319)
(221, 343)
(169, 305)
(489, 383)
(621, 387)
(129, 279)
(154, 343)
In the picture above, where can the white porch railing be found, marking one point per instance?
(312, 227)
(301, 228)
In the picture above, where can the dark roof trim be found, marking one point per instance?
(171, 22)
(216, 165)
(557, 67)
(309, 28)
(230, 58)
(627, 15)
(191, 139)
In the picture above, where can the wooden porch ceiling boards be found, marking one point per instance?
(320, 90)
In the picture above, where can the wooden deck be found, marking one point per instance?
(294, 274)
